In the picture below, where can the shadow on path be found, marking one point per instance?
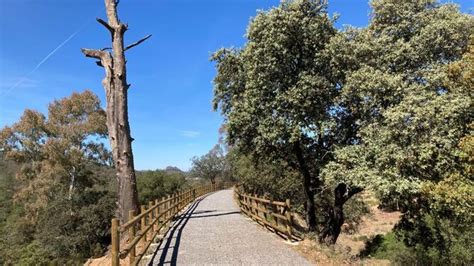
(174, 234)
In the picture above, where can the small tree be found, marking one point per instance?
(116, 91)
(210, 166)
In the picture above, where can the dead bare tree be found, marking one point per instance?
(116, 87)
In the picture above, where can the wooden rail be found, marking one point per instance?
(154, 218)
(271, 214)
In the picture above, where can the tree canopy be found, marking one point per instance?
(377, 107)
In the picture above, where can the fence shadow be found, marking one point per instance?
(172, 241)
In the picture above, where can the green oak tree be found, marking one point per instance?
(278, 97)
(408, 104)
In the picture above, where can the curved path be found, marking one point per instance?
(212, 231)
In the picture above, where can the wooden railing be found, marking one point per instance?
(271, 214)
(153, 219)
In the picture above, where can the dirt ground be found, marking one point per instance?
(348, 246)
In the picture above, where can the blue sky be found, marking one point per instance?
(170, 98)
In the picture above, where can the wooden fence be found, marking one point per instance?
(271, 214)
(153, 219)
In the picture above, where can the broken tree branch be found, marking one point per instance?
(98, 54)
(137, 42)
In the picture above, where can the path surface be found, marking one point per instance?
(213, 232)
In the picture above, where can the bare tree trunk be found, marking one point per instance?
(116, 87)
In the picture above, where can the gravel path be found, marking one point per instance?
(213, 232)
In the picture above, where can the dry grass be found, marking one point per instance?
(348, 246)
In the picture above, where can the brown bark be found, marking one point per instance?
(116, 86)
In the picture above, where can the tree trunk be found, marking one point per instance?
(309, 194)
(116, 88)
(333, 228)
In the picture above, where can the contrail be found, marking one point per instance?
(42, 62)
(47, 57)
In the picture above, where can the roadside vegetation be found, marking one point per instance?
(323, 116)
(368, 131)
(58, 184)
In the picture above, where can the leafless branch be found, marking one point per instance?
(105, 24)
(137, 43)
(97, 54)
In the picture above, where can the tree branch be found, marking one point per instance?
(353, 190)
(137, 43)
(105, 24)
(97, 54)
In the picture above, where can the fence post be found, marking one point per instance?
(269, 204)
(158, 207)
(168, 204)
(275, 210)
(194, 193)
(144, 238)
(152, 217)
(115, 234)
(175, 196)
(131, 236)
(288, 217)
(256, 205)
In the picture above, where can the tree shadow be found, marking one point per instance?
(372, 245)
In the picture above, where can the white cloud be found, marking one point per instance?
(189, 133)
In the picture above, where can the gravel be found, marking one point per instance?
(213, 232)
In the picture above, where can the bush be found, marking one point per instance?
(429, 242)
(155, 184)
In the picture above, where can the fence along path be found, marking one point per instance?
(153, 219)
(274, 215)
(212, 231)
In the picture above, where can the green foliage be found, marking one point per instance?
(274, 181)
(436, 240)
(277, 89)
(430, 242)
(211, 165)
(409, 78)
(410, 118)
(81, 227)
(61, 202)
(33, 254)
(387, 107)
(388, 247)
(278, 96)
(279, 182)
(155, 184)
